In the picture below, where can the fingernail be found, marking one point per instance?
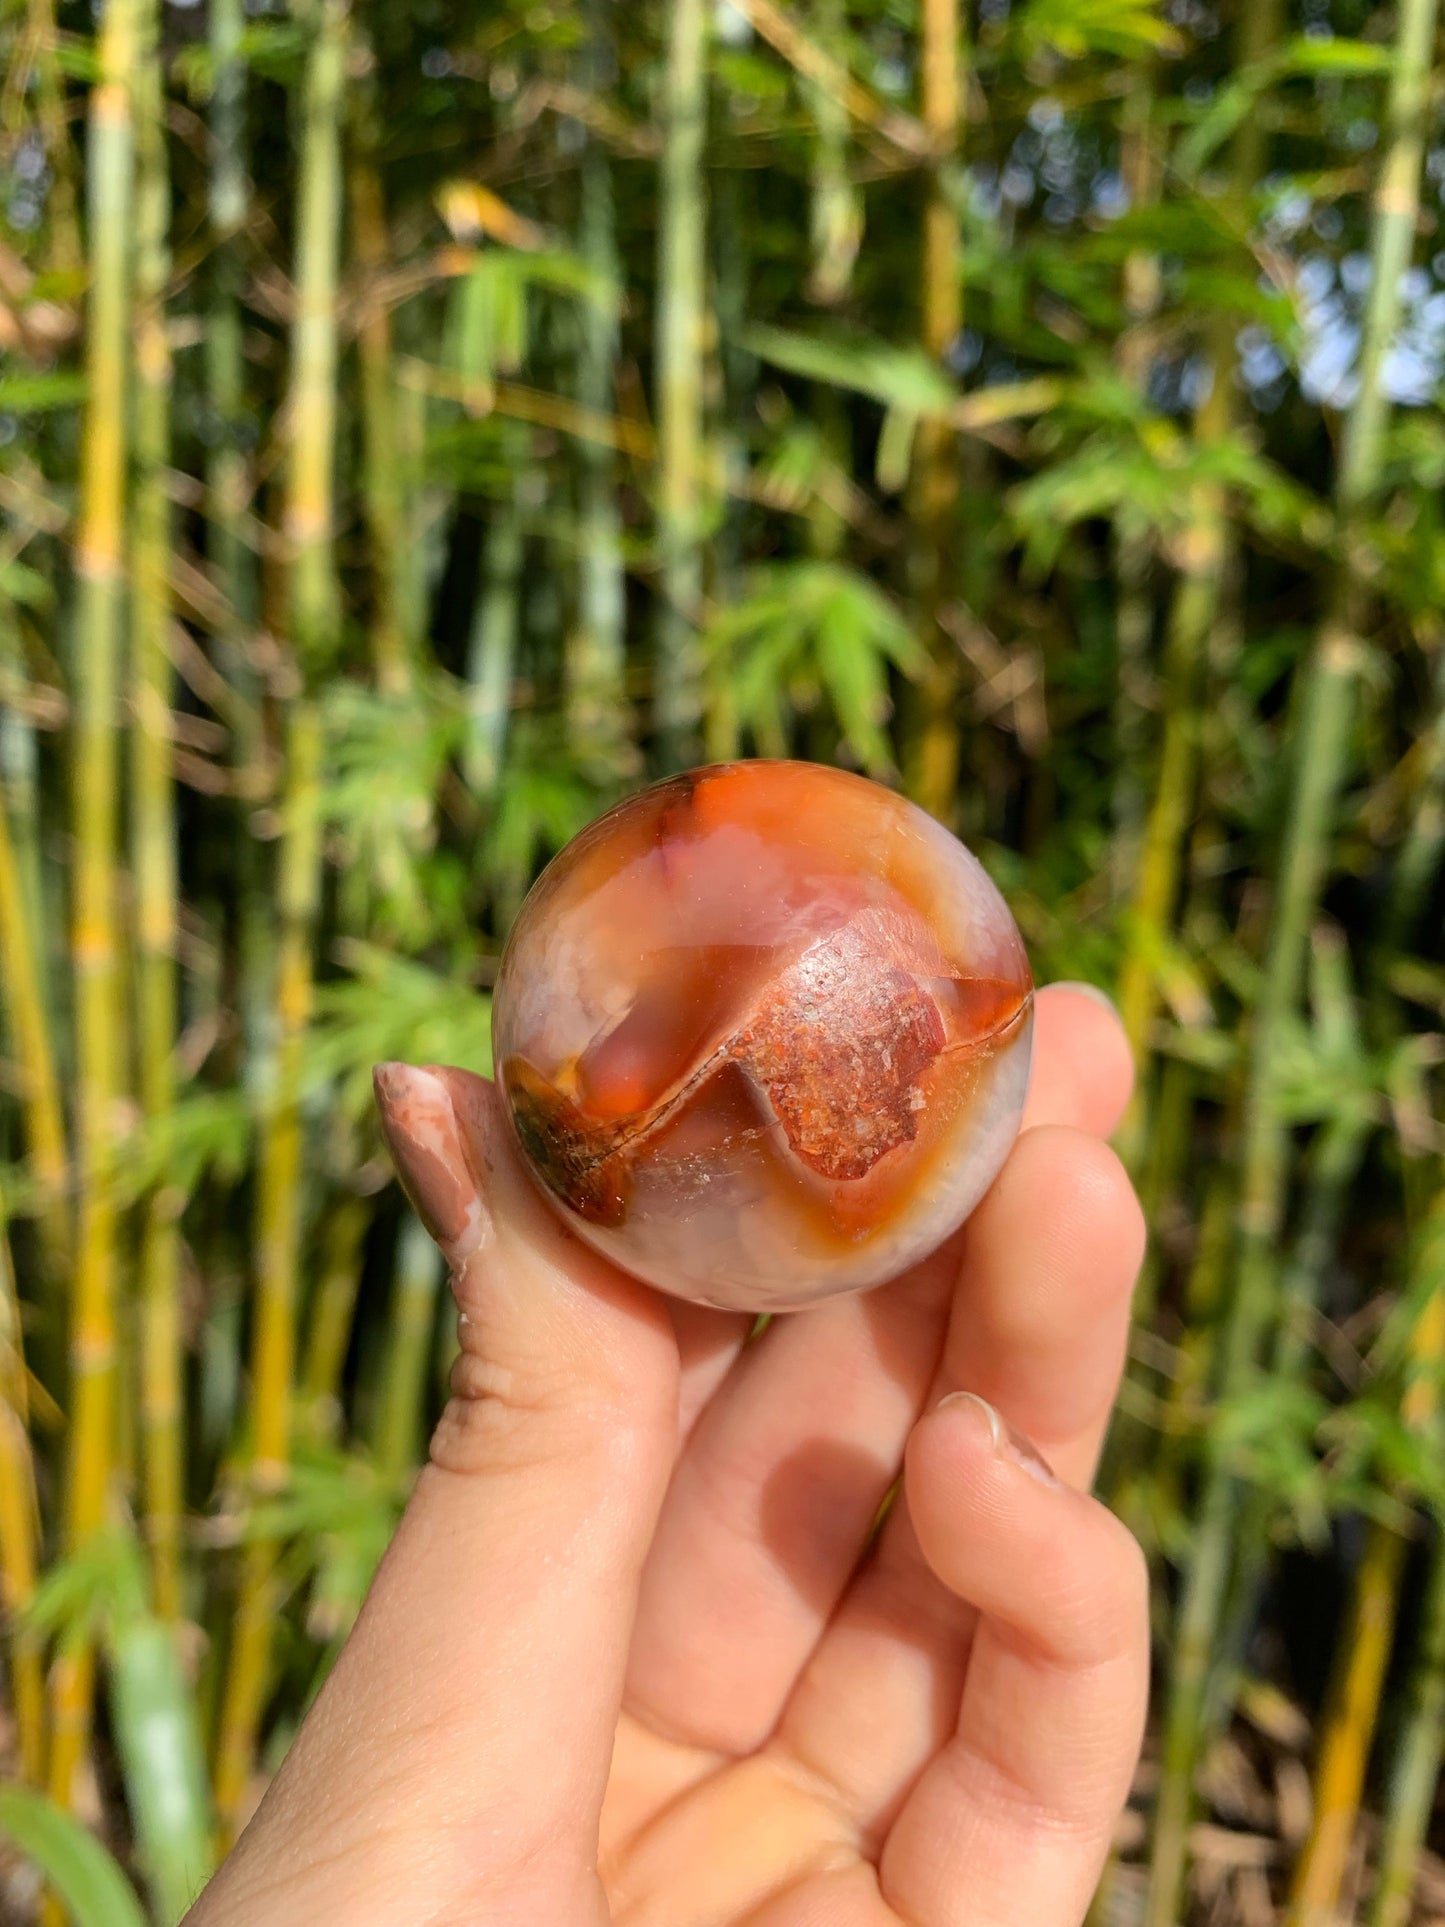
(1092, 991)
(430, 1155)
(1008, 1442)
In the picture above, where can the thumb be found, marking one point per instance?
(478, 1695)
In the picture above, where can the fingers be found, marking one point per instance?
(1041, 1322)
(1013, 1819)
(1082, 1071)
(478, 1695)
(781, 1481)
(770, 1507)
(1038, 1325)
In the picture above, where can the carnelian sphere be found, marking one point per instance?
(763, 1032)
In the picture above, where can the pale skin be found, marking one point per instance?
(637, 1654)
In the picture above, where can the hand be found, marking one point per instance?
(635, 1654)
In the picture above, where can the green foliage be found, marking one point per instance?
(810, 629)
(90, 1884)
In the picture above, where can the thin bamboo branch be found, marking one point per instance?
(100, 1054)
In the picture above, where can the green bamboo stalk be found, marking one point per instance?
(1423, 848)
(835, 212)
(278, 1234)
(228, 481)
(598, 716)
(409, 1326)
(496, 623)
(1320, 746)
(382, 477)
(934, 762)
(1205, 561)
(312, 595)
(19, 1524)
(1133, 542)
(682, 224)
(153, 832)
(100, 1054)
(329, 1319)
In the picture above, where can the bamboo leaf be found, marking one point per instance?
(74, 1863)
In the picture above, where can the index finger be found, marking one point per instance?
(1083, 1073)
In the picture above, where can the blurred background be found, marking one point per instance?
(420, 424)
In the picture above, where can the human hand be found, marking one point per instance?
(635, 1654)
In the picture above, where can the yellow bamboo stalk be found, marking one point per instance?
(19, 1524)
(153, 830)
(935, 755)
(1365, 1651)
(99, 551)
(29, 1036)
(277, 1241)
(313, 613)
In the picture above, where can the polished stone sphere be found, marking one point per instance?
(763, 1032)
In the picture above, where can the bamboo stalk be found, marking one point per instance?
(19, 1524)
(313, 612)
(329, 1320)
(682, 223)
(1133, 541)
(1205, 561)
(228, 483)
(597, 710)
(1415, 1773)
(312, 595)
(935, 483)
(835, 213)
(382, 477)
(278, 1232)
(28, 1024)
(409, 1327)
(1320, 742)
(153, 828)
(492, 647)
(1364, 1654)
(100, 1055)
